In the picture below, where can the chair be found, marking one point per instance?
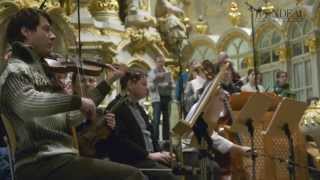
(10, 140)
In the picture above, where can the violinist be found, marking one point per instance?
(37, 110)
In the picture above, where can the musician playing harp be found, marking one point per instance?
(37, 111)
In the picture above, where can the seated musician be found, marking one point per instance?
(221, 145)
(251, 85)
(89, 83)
(134, 142)
(37, 111)
(224, 146)
(282, 87)
(231, 80)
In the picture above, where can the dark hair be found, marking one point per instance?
(278, 74)
(251, 71)
(26, 17)
(133, 74)
(255, 73)
(235, 75)
(210, 68)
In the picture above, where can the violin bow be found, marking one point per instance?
(43, 4)
(79, 50)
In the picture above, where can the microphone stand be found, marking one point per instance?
(250, 128)
(291, 156)
(253, 35)
(249, 122)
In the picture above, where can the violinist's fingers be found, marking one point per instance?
(88, 108)
(166, 157)
(110, 120)
(114, 75)
(111, 67)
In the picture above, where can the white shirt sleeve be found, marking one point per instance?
(220, 143)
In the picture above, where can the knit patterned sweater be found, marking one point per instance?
(38, 113)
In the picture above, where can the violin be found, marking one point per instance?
(56, 66)
(94, 132)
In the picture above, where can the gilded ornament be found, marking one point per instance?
(36, 3)
(310, 122)
(201, 26)
(144, 4)
(69, 6)
(299, 1)
(311, 44)
(92, 30)
(248, 62)
(268, 8)
(186, 22)
(104, 5)
(142, 38)
(234, 14)
(282, 52)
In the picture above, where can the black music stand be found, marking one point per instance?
(253, 110)
(285, 120)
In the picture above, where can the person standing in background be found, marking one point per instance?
(160, 85)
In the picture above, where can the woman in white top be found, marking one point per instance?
(250, 86)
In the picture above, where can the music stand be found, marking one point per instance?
(285, 120)
(254, 108)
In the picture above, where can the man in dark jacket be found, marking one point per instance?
(133, 141)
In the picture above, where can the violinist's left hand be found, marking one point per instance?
(114, 73)
(110, 120)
